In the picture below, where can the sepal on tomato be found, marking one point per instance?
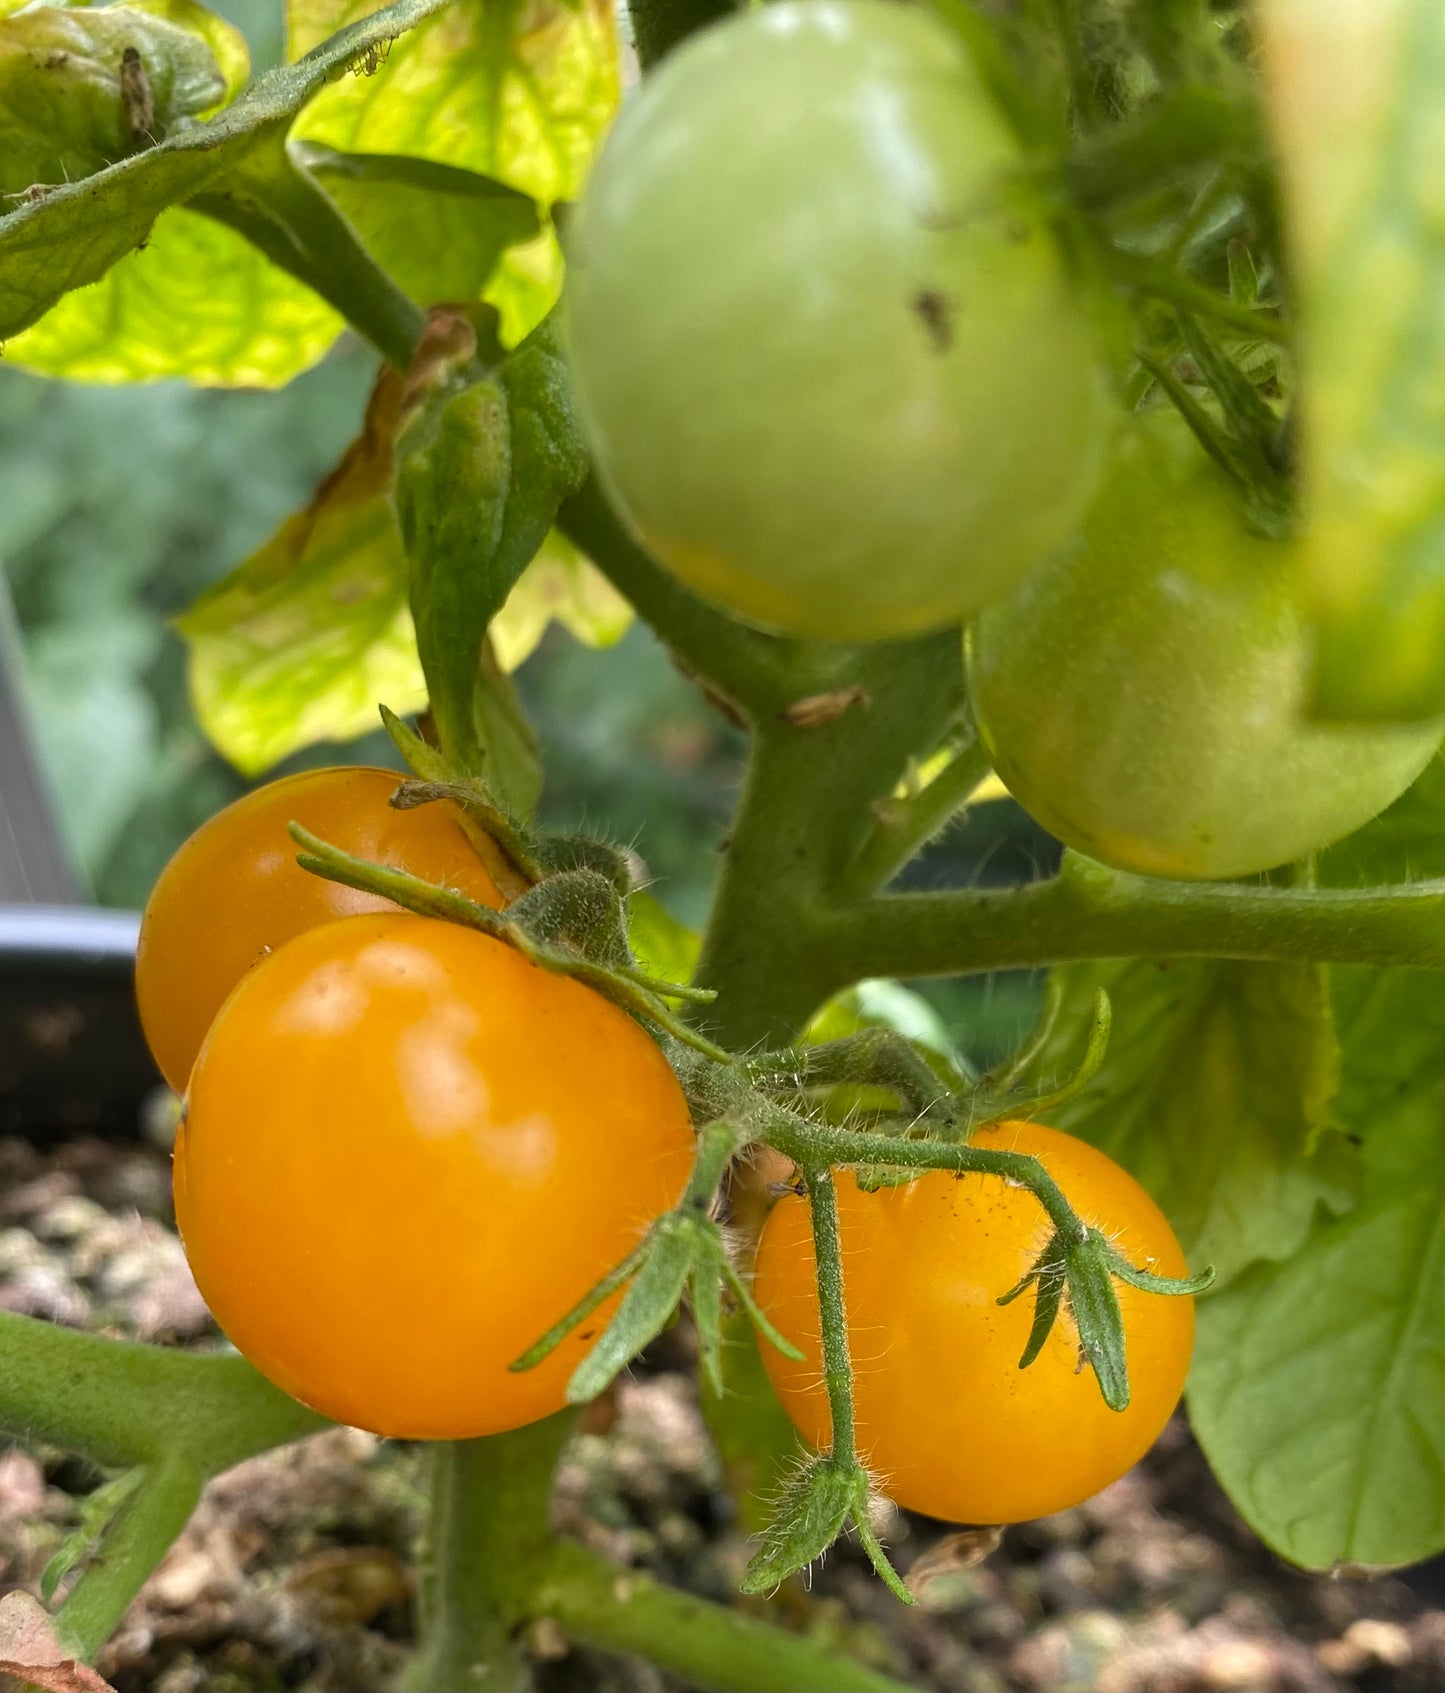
(574, 923)
(818, 1504)
(999, 1101)
(684, 1250)
(1085, 1269)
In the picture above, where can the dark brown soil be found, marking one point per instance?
(294, 1574)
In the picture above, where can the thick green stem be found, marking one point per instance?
(806, 808)
(905, 825)
(817, 1146)
(122, 1404)
(134, 1544)
(282, 210)
(747, 668)
(704, 1644)
(490, 1542)
(1090, 912)
(833, 1315)
(834, 728)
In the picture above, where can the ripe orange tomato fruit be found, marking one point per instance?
(234, 892)
(945, 1417)
(407, 1152)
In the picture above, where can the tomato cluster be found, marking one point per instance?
(406, 1150)
(831, 339)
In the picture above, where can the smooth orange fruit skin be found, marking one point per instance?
(234, 892)
(407, 1152)
(945, 1418)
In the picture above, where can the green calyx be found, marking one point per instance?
(824, 1499)
(567, 895)
(1083, 1269)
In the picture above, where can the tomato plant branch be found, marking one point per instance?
(834, 1490)
(489, 1545)
(702, 1643)
(282, 210)
(821, 1145)
(1160, 281)
(806, 808)
(906, 823)
(136, 1541)
(745, 667)
(1088, 911)
(543, 925)
(122, 1404)
(833, 1315)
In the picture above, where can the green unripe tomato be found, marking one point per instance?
(1142, 695)
(826, 352)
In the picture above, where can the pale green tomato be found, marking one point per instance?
(1142, 695)
(829, 359)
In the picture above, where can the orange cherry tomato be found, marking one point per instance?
(945, 1417)
(234, 892)
(407, 1152)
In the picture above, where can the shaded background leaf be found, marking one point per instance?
(73, 235)
(198, 301)
(1214, 1093)
(301, 642)
(437, 231)
(1354, 89)
(1318, 1389)
(559, 584)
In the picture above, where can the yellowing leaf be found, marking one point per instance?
(519, 90)
(516, 89)
(197, 301)
(300, 643)
(559, 583)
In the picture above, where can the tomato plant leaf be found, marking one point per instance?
(560, 584)
(519, 90)
(98, 1511)
(879, 1003)
(198, 301)
(82, 87)
(1403, 844)
(665, 947)
(1213, 1093)
(811, 1512)
(483, 464)
(436, 230)
(72, 234)
(1318, 1389)
(1354, 91)
(227, 43)
(300, 642)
